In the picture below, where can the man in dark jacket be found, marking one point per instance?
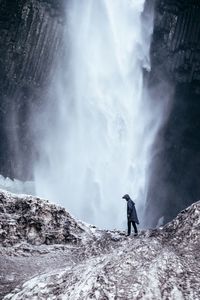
(131, 214)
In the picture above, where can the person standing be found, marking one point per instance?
(131, 215)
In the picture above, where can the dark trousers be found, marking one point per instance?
(129, 227)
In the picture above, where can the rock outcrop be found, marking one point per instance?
(35, 221)
(175, 74)
(163, 263)
(27, 225)
(31, 37)
(175, 44)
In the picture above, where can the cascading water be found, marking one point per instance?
(98, 126)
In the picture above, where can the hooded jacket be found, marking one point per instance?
(131, 211)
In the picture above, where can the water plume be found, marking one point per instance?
(98, 125)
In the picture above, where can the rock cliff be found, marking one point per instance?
(31, 34)
(81, 262)
(176, 68)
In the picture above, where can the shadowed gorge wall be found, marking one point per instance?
(31, 33)
(175, 57)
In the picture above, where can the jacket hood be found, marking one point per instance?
(126, 196)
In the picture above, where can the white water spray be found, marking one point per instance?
(98, 126)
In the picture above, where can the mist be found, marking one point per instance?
(97, 126)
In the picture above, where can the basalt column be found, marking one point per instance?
(31, 35)
(175, 54)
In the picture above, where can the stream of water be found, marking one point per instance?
(99, 126)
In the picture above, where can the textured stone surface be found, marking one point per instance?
(176, 40)
(36, 237)
(35, 221)
(30, 38)
(163, 263)
(175, 169)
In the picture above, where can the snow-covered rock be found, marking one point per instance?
(160, 263)
(35, 221)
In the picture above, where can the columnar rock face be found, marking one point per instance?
(31, 35)
(176, 38)
(176, 65)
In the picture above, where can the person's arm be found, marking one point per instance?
(129, 209)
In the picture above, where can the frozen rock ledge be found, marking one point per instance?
(47, 254)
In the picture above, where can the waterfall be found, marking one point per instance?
(97, 125)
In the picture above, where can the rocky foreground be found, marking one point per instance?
(47, 254)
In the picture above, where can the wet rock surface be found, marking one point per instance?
(95, 264)
(175, 44)
(31, 37)
(35, 221)
(175, 81)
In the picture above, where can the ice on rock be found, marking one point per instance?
(81, 262)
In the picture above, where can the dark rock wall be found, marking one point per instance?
(175, 46)
(30, 38)
(175, 52)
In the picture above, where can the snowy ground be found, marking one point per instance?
(158, 264)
